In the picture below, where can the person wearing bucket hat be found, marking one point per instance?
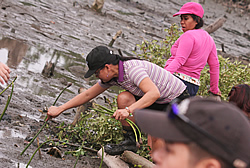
(193, 50)
(147, 85)
(199, 133)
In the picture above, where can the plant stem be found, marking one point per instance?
(102, 156)
(8, 85)
(36, 151)
(61, 93)
(34, 138)
(131, 123)
(79, 154)
(45, 120)
(135, 126)
(132, 126)
(8, 101)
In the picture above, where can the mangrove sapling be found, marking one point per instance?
(8, 85)
(131, 123)
(36, 151)
(8, 101)
(45, 120)
(102, 157)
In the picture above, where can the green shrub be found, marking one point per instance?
(231, 73)
(158, 52)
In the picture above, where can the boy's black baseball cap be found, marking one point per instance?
(225, 129)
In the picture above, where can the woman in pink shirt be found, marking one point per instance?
(193, 50)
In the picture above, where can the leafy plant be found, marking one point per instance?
(95, 128)
(231, 73)
(156, 51)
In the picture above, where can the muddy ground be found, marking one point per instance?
(63, 32)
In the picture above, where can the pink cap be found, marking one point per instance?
(191, 8)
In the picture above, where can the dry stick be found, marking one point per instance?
(8, 85)
(8, 101)
(45, 119)
(74, 145)
(40, 155)
(71, 144)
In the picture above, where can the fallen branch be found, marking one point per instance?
(75, 145)
(216, 25)
(118, 33)
(136, 160)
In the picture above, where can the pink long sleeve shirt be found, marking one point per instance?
(191, 52)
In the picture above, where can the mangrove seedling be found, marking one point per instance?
(8, 101)
(8, 85)
(45, 120)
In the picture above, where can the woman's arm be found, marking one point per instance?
(214, 67)
(152, 93)
(78, 100)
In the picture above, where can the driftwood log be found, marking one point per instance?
(216, 24)
(81, 109)
(134, 159)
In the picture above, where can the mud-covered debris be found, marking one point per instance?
(54, 151)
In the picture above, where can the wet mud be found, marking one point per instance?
(34, 32)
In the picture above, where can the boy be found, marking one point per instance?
(198, 133)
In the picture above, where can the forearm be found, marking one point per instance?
(214, 81)
(82, 98)
(74, 102)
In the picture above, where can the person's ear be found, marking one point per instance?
(211, 163)
(107, 66)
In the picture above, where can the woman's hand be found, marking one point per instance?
(121, 114)
(53, 112)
